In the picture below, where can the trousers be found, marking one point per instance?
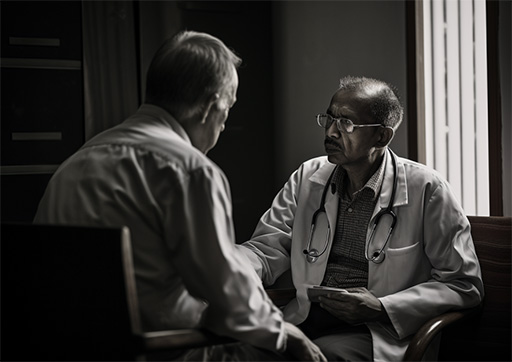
(338, 340)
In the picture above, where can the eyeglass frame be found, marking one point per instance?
(347, 121)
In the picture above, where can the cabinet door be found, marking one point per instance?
(42, 98)
(42, 115)
(41, 29)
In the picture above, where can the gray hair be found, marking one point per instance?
(188, 69)
(383, 100)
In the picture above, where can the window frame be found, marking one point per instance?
(415, 81)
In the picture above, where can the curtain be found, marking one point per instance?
(110, 66)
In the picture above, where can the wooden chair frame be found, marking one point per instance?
(38, 260)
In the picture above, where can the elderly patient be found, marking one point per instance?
(151, 174)
(387, 231)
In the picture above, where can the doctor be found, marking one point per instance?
(387, 230)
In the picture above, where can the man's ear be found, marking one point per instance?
(208, 106)
(386, 135)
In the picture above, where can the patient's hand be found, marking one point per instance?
(356, 307)
(301, 346)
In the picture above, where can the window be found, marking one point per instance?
(452, 96)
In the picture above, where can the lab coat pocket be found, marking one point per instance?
(403, 251)
(398, 271)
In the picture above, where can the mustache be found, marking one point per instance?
(330, 142)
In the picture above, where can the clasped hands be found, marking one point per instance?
(355, 307)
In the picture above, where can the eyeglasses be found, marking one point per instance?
(344, 125)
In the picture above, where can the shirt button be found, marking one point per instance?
(350, 209)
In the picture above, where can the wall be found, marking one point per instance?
(316, 43)
(243, 150)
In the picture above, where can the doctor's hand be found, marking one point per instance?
(301, 347)
(355, 307)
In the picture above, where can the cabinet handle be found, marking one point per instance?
(28, 169)
(43, 42)
(36, 136)
(58, 64)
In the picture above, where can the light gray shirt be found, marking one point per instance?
(145, 174)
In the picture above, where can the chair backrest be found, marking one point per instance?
(67, 293)
(487, 337)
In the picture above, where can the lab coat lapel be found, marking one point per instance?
(316, 270)
(331, 208)
(383, 202)
(387, 186)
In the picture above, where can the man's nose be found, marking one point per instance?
(332, 131)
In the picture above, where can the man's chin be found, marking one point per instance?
(335, 158)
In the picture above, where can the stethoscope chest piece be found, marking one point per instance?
(311, 255)
(378, 256)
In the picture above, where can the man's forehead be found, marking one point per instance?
(351, 104)
(340, 109)
(345, 99)
(353, 94)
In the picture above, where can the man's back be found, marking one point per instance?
(137, 174)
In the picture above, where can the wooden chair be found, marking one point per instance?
(482, 333)
(68, 293)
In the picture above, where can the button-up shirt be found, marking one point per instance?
(146, 174)
(347, 265)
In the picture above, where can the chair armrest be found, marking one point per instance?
(181, 339)
(194, 338)
(281, 297)
(426, 334)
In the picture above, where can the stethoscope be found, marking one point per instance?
(377, 256)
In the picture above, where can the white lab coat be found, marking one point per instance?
(430, 265)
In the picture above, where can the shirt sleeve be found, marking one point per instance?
(213, 270)
(270, 245)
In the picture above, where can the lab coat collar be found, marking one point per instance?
(321, 175)
(401, 197)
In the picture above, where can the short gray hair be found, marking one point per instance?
(188, 69)
(384, 102)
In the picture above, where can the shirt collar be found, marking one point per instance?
(161, 114)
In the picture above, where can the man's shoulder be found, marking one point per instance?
(316, 169)
(315, 163)
(152, 141)
(417, 172)
(185, 157)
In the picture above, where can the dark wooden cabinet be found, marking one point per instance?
(42, 111)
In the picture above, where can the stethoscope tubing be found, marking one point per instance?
(312, 255)
(378, 256)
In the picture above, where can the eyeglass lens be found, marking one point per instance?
(343, 125)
